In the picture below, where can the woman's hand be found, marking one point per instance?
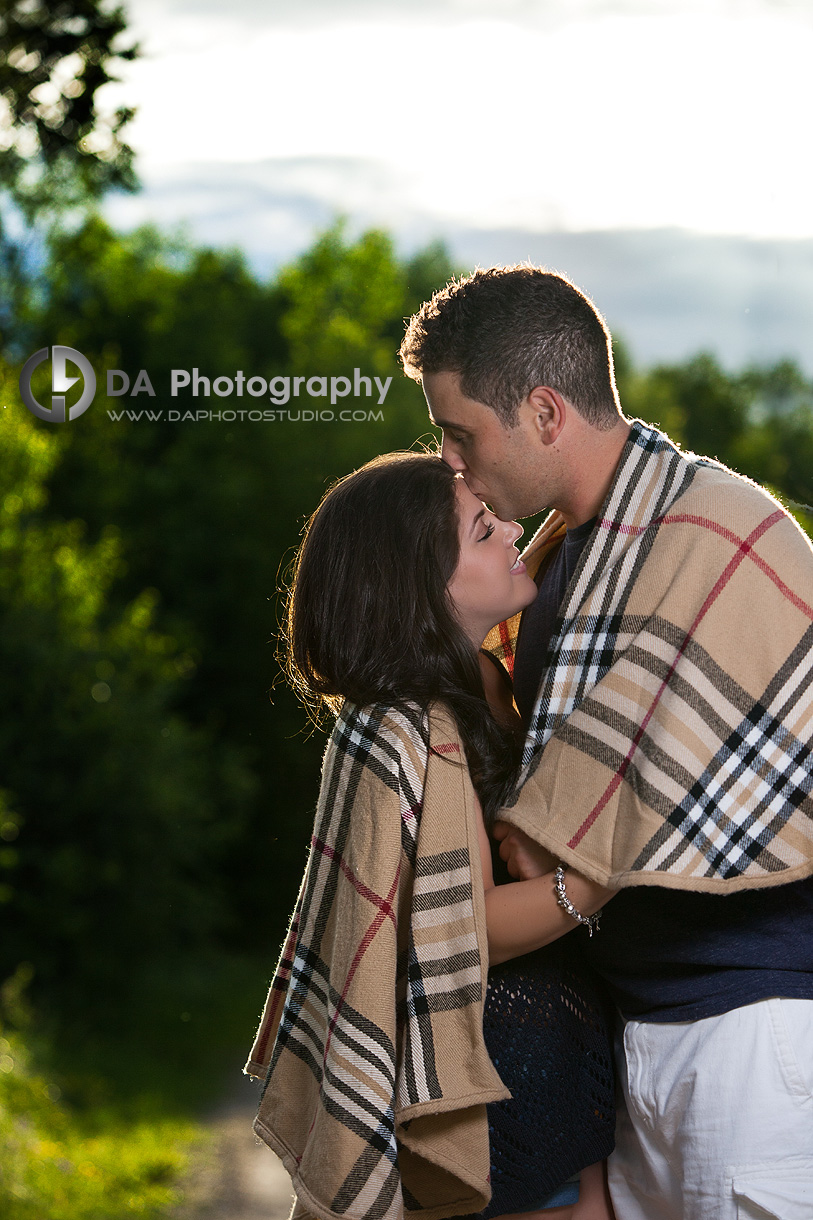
(524, 915)
(523, 857)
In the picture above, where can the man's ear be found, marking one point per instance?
(548, 410)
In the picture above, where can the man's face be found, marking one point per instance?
(502, 466)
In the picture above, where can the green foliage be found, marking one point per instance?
(57, 1164)
(144, 297)
(341, 303)
(56, 145)
(58, 150)
(115, 806)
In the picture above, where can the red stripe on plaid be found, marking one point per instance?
(447, 747)
(724, 532)
(743, 550)
(364, 945)
(764, 567)
(366, 941)
(279, 998)
(383, 904)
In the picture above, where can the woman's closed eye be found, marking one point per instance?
(488, 532)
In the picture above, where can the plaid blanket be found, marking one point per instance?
(670, 743)
(371, 1043)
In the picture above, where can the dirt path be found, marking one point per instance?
(237, 1177)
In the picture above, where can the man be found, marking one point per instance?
(665, 676)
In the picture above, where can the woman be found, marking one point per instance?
(380, 1096)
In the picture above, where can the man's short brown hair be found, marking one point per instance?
(506, 330)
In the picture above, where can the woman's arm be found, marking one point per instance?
(524, 915)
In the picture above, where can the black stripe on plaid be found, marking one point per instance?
(297, 1035)
(584, 647)
(691, 817)
(386, 757)
(788, 778)
(379, 1134)
(356, 1181)
(420, 1000)
(357, 743)
(642, 778)
(453, 964)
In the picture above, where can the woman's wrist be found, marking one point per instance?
(591, 922)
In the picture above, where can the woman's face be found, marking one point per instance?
(490, 582)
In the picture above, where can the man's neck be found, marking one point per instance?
(592, 458)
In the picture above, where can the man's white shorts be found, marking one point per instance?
(719, 1121)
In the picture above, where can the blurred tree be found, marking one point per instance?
(339, 298)
(57, 148)
(54, 58)
(429, 269)
(208, 511)
(777, 447)
(116, 812)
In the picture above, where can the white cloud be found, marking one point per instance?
(684, 119)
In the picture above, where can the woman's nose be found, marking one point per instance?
(513, 532)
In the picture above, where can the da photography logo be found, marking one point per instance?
(60, 384)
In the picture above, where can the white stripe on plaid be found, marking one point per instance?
(357, 1066)
(650, 478)
(727, 771)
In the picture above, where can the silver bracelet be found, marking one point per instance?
(591, 922)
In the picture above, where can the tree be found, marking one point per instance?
(115, 811)
(54, 58)
(57, 148)
(208, 511)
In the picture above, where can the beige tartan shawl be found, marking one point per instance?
(670, 743)
(371, 1043)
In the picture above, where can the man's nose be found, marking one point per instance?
(451, 456)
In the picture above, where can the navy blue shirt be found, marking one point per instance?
(673, 955)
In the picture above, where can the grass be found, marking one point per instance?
(60, 1164)
(103, 1124)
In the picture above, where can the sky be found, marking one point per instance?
(484, 122)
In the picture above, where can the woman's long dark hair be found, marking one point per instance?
(369, 616)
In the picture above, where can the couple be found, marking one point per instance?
(653, 759)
